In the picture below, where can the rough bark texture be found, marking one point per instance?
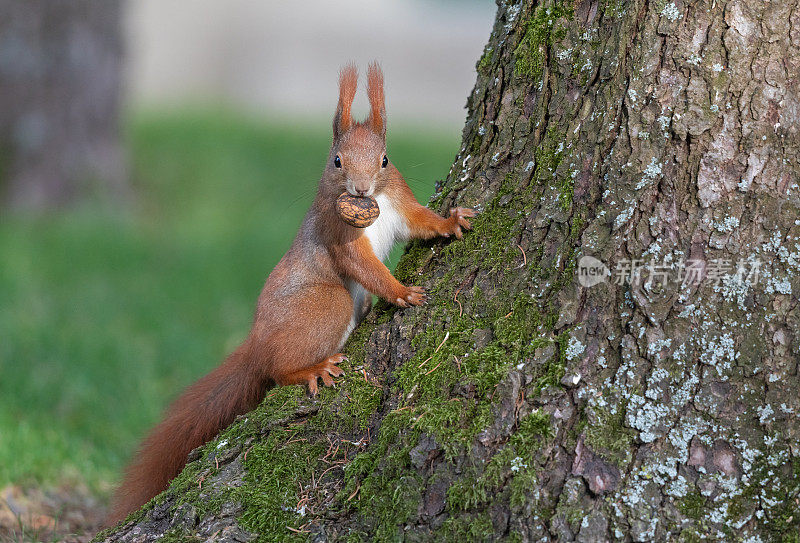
(519, 404)
(60, 68)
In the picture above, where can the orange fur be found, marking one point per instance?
(377, 109)
(306, 308)
(356, 260)
(348, 82)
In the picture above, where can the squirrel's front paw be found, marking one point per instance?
(412, 296)
(458, 220)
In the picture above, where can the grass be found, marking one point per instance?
(106, 314)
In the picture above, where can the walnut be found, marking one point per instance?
(358, 211)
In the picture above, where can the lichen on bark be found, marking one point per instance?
(519, 404)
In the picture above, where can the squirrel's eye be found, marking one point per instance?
(337, 162)
(385, 161)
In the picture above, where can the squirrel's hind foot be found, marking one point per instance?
(327, 370)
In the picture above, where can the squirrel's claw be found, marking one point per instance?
(413, 296)
(458, 217)
(327, 370)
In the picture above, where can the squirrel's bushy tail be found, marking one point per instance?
(198, 415)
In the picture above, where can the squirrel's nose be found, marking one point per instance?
(362, 192)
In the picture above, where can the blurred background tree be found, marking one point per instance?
(60, 70)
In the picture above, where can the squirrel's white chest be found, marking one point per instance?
(382, 234)
(388, 229)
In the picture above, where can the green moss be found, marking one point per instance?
(188, 485)
(351, 412)
(613, 8)
(490, 240)
(356, 344)
(542, 30)
(278, 467)
(533, 431)
(609, 437)
(513, 463)
(466, 492)
(493, 239)
(378, 483)
(417, 252)
(532, 427)
(466, 528)
(446, 358)
(566, 188)
(693, 505)
(429, 387)
(275, 470)
(549, 155)
(485, 62)
(777, 485)
(357, 536)
(279, 403)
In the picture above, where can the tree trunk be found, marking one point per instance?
(60, 68)
(537, 397)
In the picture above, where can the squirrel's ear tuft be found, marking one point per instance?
(377, 109)
(348, 81)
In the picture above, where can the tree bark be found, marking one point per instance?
(524, 402)
(60, 69)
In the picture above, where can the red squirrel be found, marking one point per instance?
(312, 300)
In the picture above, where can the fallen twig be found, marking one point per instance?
(434, 368)
(447, 335)
(524, 257)
(455, 299)
(244, 458)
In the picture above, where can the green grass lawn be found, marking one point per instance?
(105, 316)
